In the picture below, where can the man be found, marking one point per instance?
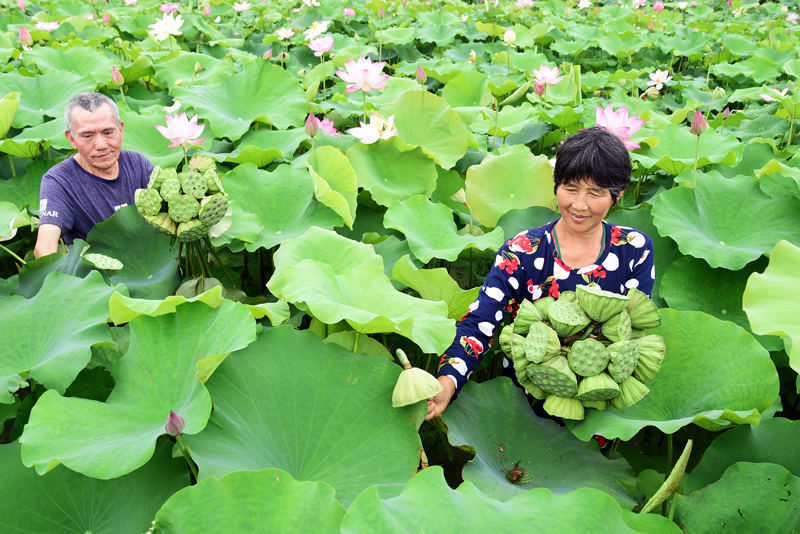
(91, 185)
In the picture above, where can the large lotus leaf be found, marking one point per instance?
(435, 284)
(262, 147)
(269, 500)
(431, 232)
(42, 94)
(26, 149)
(496, 419)
(770, 299)
(675, 151)
(714, 374)
(244, 228)
(466, 89)
(316, 410)
(47, 337)
(184, 66)
(65, 502)
(727, 230)
(426, 120)
(141, 67)
(8, 108)
(500, 184)
(428, 504)
(749, 498)
(51, 131)
(282, 200)
(158, 374)
(81, 60)
(773, 441)
(350, 284)
(34, 273)
(273, 96)
(392, 170)
(11, 218)
(510, 119)
(335, 182)
(124, 309)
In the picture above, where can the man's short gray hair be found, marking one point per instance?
(90, 102)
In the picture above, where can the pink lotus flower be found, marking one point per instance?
(546, 76)
(47, 26)
(240, 7)
(538, 88)
(699, 123)
(421, 76)
(21, 4)
(658, 6)
(181, 131)
(90, 16)
(106, 19)
(268, 54)
(659, 78)
(116, 76)
(363, 74)
(130, 2)
(349, 12)
(284, 33)
(25, 37)
(792, 17)
(313, 125)
(771, 99)
(311, 3)
(619, 124)
(378, 128)
(169, 8)
(326, 125)
(206, 10)
(321, 45)
(524, 3)
(694, 3)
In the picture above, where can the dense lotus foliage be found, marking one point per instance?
(376, 155)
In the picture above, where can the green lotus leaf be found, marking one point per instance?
(511, 119)
(244, 228)
(392, 170)
(441, 35)
(48, 336)
(494, 186)
(426, 120)
(27, 149)
(770, 299)
(392, 250)
(738, 44)
(276, 312)
(51, 131)
(8, 108)
(397, 36)
(335, 183)
(783, 174)
(250, 148)
(773, 441)
(141, 136)
(83, 61)
(282, 200)
(726, 230)
(157, 375)
(431, 232)
(620, 48)
(428, 504)
(11, 218)
(675, 151)
(273, 97)
(150, 268)
(141, 67)
(435, 284)
(183, 68)
(349, 435)
(748, 498)
(42, 94)
(65, 502)
(124, 309)
(714, 374)
(33, 274)
(466, 89)
(359, 343)
(336, 279)
(394, 88)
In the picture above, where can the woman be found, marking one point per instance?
(592, 170)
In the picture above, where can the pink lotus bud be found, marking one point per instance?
(404, 3)
(699, 123)
(539, 88)
(726, 113)
(694, 3)
(106, 19)
(25, 37)
(268, 54)
(421, 76)
(789, 31)
(175, 424)
(21, 4)
(729, 3)
(312, 125)
(650, 26)
(658, 6)
(349, 12)
(381, 13)
(116, 76)
(206, 10)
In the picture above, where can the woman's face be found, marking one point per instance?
(583, 205)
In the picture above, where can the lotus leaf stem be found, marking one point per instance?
(188, 457)
(667, 471)
(222, 265)
(694, 169)
(14, 255)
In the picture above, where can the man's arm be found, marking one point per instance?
(47, 240)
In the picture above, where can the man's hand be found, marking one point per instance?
(437, 404)
(47, 240)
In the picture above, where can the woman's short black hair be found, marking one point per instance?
(594, 154)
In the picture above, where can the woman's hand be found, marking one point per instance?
(437, 404)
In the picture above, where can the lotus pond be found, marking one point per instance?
(343, 246)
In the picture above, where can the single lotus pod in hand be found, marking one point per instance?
(643, 311)
(155, 180)
(597, 405)
(554, 376)
(541, 343)
(624, 357)
(183, 208)
(526, 316)
(201, 164)
(163, 223)
(148, 201)
(413, 384)
(568, 296)
(542, 305)
(600, 305)
(618, 328)
(588, 357)
(194, 184)
(597, 388)
(567, 318)
(110, 265)
(170, 188)
(511, 343)
(630, 392)
(212, 182)
(652, 350)
(213, 208)
(191, 230)
(565, 408)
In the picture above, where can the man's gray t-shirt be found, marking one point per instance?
(75, 200)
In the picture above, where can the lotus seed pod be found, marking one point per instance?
(624, 357)
(618, 328)
(600, 305)
(413, 385)
(155, 181)
(652, 350)
(643, 311)
(163, 223)
(567, 318)
(194, 184)
(148, 201)
(597, 405)
(526, 316)
(170, 188)
(511, 343)
(588, 357)
(191, 231)
(630, 392)
(569, 296)
(201, 163)
(636, 333)
(213, 208)
(565, 408)
(541, 343)
(183, 208)
(101, 261)
(212, 182)
(554, 376)
(166, 174)
(597, 388)
(543, 304)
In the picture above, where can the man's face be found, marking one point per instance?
(97, 138)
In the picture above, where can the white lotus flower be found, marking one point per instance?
(47, 26)
(168, 25)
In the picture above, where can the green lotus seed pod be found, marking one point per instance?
(155, 180)
(413, 385)
(567, 318)
(554, 376)
(597, 388)
(194, 184)
(166, 174)
(588, 357)
(201, 164)
(618, 328)
(213, 208)
(643, 311)
(526, 316)
(542, 305)
(541, 343)
(182, 208)
(597, 405)
(568, 296)
(101, 261)
(565, 408)
(163, 223)
(191, 231)
(170, 188)
(511, 343)
(600, 305)
(535, 391)
(148, 201)
(212, 182)
(624, 357)
(631, 391)
(652, 350)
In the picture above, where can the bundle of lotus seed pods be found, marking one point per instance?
(588, 349)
